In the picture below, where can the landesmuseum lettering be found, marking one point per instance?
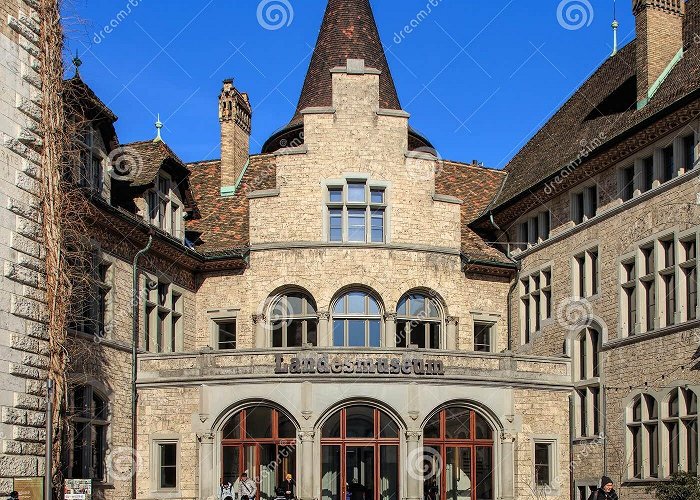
(313, 364)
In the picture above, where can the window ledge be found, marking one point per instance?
(447, 199)
(265, 193)
(641, 337)
(600, 440)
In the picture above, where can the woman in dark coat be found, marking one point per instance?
(286, 489)
(606, 491)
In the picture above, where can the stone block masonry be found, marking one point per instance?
(23, 346)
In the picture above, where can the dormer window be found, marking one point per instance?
(163, 210)
(90, 161)
(356, 212)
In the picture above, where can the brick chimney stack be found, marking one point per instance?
(659, 25)
(235, 118)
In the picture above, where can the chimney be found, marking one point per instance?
(235, 117)
(659, 38)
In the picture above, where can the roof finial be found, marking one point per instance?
(77, 62)
(159, 125)
(615, 26)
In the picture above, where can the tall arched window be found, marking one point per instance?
(360, 455)
(89, 420)
(681, 431)
(260, 441)
(458, 449)
(586, 378)
(293, 321)
(357, 321)
(418, 322)
(643, 436)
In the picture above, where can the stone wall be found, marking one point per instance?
(23, 346)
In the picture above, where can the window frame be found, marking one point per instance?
(533, 228)
(164, 209)
(157, 441)
(306, 317)
(551, 442)
(584, 202)
(371, 209)
(366, 316)
(92, 176)
(91, 422)
(163, 319)
(425, 321)
(535, 292)
(586, 285)
(585, 353)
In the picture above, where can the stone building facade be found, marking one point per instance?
(348, 308)
(23, 346)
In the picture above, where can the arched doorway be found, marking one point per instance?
(360, 455)
(458, 450)
(261, 442)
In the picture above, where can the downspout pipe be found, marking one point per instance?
(134, 350)
(515, 282)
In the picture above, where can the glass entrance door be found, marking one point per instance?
(359, 456)
(459, 444)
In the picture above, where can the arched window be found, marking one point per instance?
(418, 322)
(458, 454)
(360, 455)
(357, 321)
(586, 378)
(260, 441)
(293, 320)
(89, 419)
(681, 431)
(643, 436)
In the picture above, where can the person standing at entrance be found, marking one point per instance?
(287, 488)
(246, 488)
(606, 490)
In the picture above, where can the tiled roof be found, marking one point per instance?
(476, 186)
(590, 118)
(143, 160)
(224, 222)
(348, 31)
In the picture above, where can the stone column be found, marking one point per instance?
(259, 331)
(305, 481)
(451, 333)
(207, 481)
(414, 463)
(324, 331)
(507, 472)
(390, 330)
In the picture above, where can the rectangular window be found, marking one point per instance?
(647, 174)
(226, 334)
(627, 183)
(637, 462)
(543, 464)
(357, 213)
(586, 273)
(535, 229)
(483, 337)
(689, 152)
(690, 274)
(536, 295)
(668, 165)
(167, 466)
(653, 434)
(629, 294)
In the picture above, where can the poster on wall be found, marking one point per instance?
(29, 488)
(77, 489)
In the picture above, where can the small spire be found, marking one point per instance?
(159, 126)
(615, 26)
(77, 62)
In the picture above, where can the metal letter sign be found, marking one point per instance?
(315, 364)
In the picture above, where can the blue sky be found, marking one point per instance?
(479, 78)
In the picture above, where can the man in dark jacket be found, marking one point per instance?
(605, 492)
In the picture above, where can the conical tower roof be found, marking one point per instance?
(348, 31)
